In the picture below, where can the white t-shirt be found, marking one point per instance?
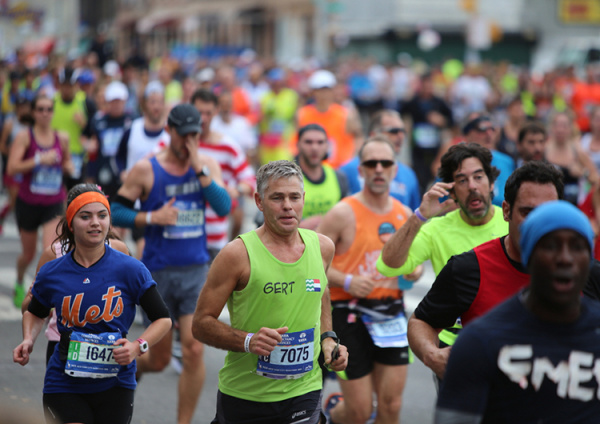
(238, 129)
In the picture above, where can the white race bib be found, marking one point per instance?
(292, 358)
(425, 136)
(389, 332)
(46, 180)
(111, 138)
(91, 355)
(77, 161)
(190, 221)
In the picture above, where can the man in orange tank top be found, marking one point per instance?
(334, 117)
(368, 311)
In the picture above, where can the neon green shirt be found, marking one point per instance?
(278, 294)
(319, 198)
(444, 237)
(277, 126)
(173, 92)
(63, 120)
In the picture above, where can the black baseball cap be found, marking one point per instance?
(185, 119)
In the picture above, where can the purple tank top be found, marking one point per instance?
(43, 184)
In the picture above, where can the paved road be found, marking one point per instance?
(155, 400)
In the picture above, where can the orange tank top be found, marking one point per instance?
(372, 231)
(334, 122)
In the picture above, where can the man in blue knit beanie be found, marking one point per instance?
(534, 357)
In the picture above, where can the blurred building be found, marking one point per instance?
(38, 26)
(520, 31)
(273, 28)
(288, 29)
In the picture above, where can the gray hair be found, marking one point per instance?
(276, 170)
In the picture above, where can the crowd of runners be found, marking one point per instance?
(360, 172)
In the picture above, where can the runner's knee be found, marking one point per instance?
(193, 351)
(158, 360)
(389, 405)
(359, 411)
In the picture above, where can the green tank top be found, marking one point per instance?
(63, 120)
(320, 198)
(278, 294)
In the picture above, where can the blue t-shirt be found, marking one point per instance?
(509, 367)
(506, 165)
(404, 187)
(184, 243)
(98, 299)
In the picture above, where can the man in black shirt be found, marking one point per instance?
(429, 115)
(108, 129)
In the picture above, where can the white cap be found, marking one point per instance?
(154, 87)
(111, 69)
(205, 75)
(116, 90)
(321, 79)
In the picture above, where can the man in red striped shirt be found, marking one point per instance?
(238, 175)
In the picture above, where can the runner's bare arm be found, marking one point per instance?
(139, 181)
(229, 272)
(328, 345)
(418, 272)
(215, 169)
(423, 340)
(32, 326)
(333, 225)
(67, 163)
(16, 164)
(395, 251)
(138, 185)
(327, 252)
(6, 130)
(129, 350)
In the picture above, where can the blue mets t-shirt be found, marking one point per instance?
(94, 300)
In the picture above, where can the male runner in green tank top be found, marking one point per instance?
(323, 185)
(274, 282)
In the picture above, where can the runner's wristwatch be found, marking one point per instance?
(204, 172)
(144, 346)
(330, 334)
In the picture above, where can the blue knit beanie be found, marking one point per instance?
(552, 216)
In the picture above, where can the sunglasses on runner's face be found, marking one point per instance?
(386, 163)
(395, 130)
(44, 109)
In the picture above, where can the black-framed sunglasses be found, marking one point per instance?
(485, 129)
(395, 130)
(386, 163)
(44, 109)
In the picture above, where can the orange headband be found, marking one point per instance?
(85, 199)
